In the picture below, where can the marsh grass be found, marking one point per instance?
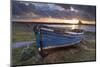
(79, 54)
(87, 52)
(16, 55)
(22, 33)
(59, 56)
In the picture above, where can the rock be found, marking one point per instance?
(27, 53)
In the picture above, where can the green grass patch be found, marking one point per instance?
(67, 56)
(23, 33)
(16, 55)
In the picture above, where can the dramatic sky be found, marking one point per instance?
(50, 12)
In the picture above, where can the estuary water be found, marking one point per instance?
(90, 28)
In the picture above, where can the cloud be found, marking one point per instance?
(26, 3)
(23, 9)
(49, 6)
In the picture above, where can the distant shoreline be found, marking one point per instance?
(25, 22)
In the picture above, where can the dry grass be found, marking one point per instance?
(75, 53)
(85, 51)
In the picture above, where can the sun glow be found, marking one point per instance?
(55, 20)
(73, 26)
(73, 21)
(52, 20)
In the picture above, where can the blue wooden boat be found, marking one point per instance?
(49, 38)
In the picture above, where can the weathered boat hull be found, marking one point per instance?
(51, 39)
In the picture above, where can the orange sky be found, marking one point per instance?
(55, 20)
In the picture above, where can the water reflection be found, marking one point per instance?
(83, 27)
(74, 27)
